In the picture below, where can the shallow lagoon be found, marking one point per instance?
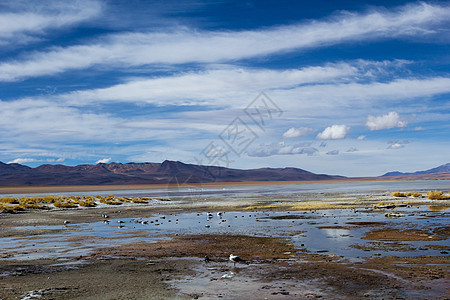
(302, 228)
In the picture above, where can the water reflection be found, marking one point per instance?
(333, 231)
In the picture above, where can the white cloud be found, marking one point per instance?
(60, 117)
(331, 95)
(21, 24)
(403, 142)
(334, 132)
(282, 149)
(387, 121)
(104, 160)
(292, 89)
(395, 146)
(186, 46)
(213, 86)
(298, 132)
(351, 149)
(361, 137)
(22, 160)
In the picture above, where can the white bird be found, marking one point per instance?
(235, 259)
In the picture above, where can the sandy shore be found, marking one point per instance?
(126, 264)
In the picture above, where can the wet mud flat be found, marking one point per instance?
(158, 253)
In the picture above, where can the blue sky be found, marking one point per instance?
(340, 87)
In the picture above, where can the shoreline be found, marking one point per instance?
(126, 187)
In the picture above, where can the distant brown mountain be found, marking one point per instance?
(144, 173)
(442, 169)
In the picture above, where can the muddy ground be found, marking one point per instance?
(174, 268)
(273, 269)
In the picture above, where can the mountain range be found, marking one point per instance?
(173, 172)
(442, 169)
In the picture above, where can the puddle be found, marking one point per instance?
(213, 281)
(331, 232)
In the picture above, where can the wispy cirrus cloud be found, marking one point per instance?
(190, 46)
(330, 86)
(397, 144)
(24, 21)
(313, 92)
(298, 132)
(265, 150)
(22, 160)
(217, 86)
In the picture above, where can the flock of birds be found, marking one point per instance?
(121, 223)
(233, 258)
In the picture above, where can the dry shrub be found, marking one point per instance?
(398, 194)
(139, 200)
(33, 206)
(9, 200)
(437, 195)
(10, 209)
(87, 203)
(110, 200)
(64, 204)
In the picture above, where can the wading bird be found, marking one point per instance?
(235, 259)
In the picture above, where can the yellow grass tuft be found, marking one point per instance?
(10, 209)
(9, 200)
(64, 204)
(110, 200)
(87, 203)
(139, 200)
(256, 207)
(415, 195)
(33, 206)
(437, 195)
(313, 205)
(383, 205)
(398, 194)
